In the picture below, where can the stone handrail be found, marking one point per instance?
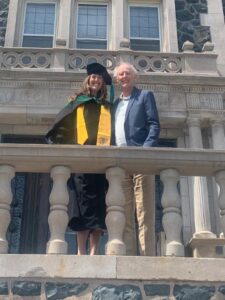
(61, 160)
(73, 60)
(38, 158)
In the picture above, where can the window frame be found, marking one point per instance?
(159, 9)
(26, 2)
(76, 14)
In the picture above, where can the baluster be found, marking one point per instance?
(6, 175)
(220, 179)
(58, 217)
(172, 221)
(115, 218)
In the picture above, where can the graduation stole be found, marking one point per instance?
(104, 125)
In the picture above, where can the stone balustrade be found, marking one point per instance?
(70, 60)
(60, 160)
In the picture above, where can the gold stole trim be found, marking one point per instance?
(104, 127)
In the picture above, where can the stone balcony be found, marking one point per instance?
(113, 276)
(61, 160)
(71, 60)
(34, 85)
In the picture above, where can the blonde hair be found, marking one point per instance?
(86, 90)
(131, 68)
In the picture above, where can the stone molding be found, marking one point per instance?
(115, 267)
(202, 90)
(193, 122)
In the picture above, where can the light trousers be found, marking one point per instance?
(139, 191)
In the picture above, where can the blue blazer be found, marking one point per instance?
(141, 124)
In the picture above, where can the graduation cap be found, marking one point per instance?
(96, 68)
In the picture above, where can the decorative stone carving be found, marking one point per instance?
(26, 59)
(207, 101)
(58, 217)
(79, 61)
(115, 218)
(153, 63)
(208, 47)
(188, 46)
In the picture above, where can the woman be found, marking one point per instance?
(86, 120)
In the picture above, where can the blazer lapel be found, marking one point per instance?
(131, 101)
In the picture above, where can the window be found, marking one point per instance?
(92, 26)
(39, 25)
(144, 28)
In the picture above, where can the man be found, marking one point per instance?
(136, 124)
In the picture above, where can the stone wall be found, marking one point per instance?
(4, 5)
(189, 27)
(71, 277)
(113, 290)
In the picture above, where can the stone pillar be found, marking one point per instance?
(118, 21)
(200, 189)
(6, 175)
(58, 217)
(12, 23)
(215, 20)
(64, 21)
(172, 221)
(220, 179)
(63, 35)
(218, 135)
(170, 26)
(115, 218)
(218, 143)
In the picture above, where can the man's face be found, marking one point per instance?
(125, 77)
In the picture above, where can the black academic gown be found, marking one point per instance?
(89, 189)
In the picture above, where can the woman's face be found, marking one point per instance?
(95, 83)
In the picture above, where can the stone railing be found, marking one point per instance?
(61, 160)
(70, 60)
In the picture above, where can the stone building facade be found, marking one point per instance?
(177, 47)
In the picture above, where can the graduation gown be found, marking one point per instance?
(89, 189)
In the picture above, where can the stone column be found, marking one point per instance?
(64, 16)
(218, 143)
(170, 26)
(172, 221)
(220, 179)
(115, 218)
(200, 189)
(6, 175)
(12, 23)
(58, 217)
(118, 21)
(218, 135)
(63, 35)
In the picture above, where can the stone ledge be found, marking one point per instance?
(53, 267)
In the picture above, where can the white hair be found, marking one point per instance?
(124, 64)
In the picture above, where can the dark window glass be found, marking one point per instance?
(144, 28)
(92, 27)
(39, 25)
